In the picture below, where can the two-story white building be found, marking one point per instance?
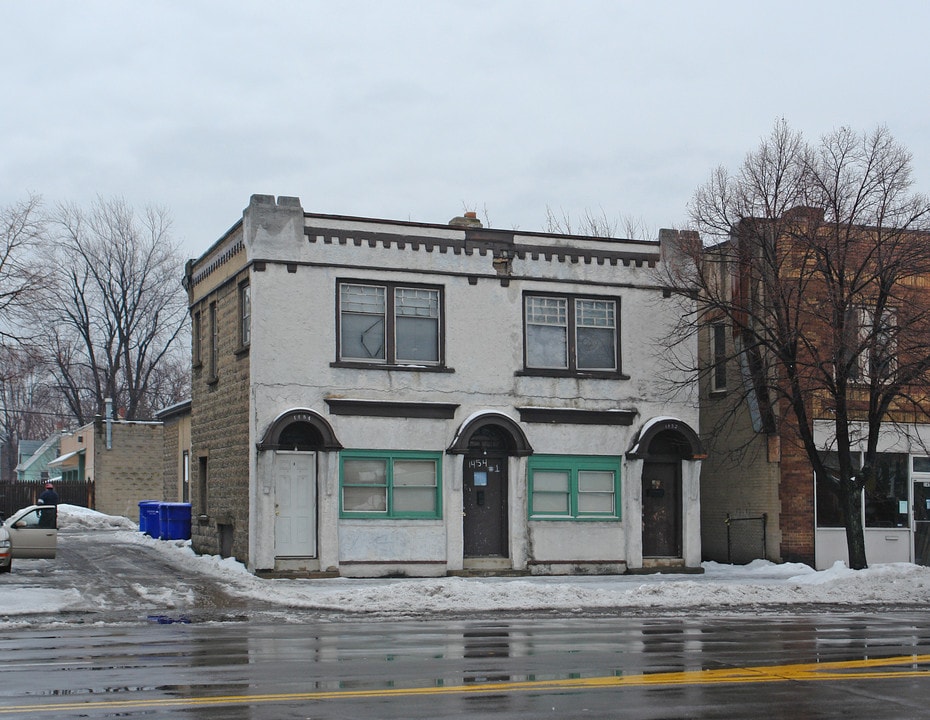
(376, 397)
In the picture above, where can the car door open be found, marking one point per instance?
(33, 532)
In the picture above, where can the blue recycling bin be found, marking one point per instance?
(174, 521)
(149, 517)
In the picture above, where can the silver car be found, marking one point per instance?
(28, 533)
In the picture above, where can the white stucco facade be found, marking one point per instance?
(298, 261)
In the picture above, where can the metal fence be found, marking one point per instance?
(15, 495)
(746, 538)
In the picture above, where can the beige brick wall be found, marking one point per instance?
(220, 430)
(169, 490)
(132, 469)
(738, 478)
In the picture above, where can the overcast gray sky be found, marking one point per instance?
(414, 110)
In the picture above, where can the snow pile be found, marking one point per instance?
(72, 517)
(760, 584)
(40, 600)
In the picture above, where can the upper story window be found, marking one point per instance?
(214, 342)
(245, 315)
(390, 324)
(718, 342)
(570, 334)
(879, 335)
(195, 339)
(872, 342)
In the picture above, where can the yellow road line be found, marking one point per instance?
(806, 672)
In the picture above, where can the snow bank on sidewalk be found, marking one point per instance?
(759, 584)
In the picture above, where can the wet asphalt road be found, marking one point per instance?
(144, 654)
(800, 667)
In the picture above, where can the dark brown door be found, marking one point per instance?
(485, 506)
(922, 523)
(661, 509)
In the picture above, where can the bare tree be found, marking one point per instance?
(116, 310)
(819, 273)
(30, 405)
(595, 224)
(21, 275)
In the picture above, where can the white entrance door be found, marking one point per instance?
(295, 504)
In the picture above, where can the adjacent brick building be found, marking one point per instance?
(758, 474)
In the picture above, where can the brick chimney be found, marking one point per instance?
(468, 220)
(804, 212)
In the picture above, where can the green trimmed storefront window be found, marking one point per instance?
(390, 484)
(574, 487)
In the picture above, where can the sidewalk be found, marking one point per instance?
(176, 578)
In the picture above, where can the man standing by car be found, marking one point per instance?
(49, 518)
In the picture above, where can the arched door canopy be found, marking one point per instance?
(518, 444)
(692, 448)
(270, 440)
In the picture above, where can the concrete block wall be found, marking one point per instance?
(131, 470)
(172, 449)
(220, 431)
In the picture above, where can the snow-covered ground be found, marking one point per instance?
(760, 584)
